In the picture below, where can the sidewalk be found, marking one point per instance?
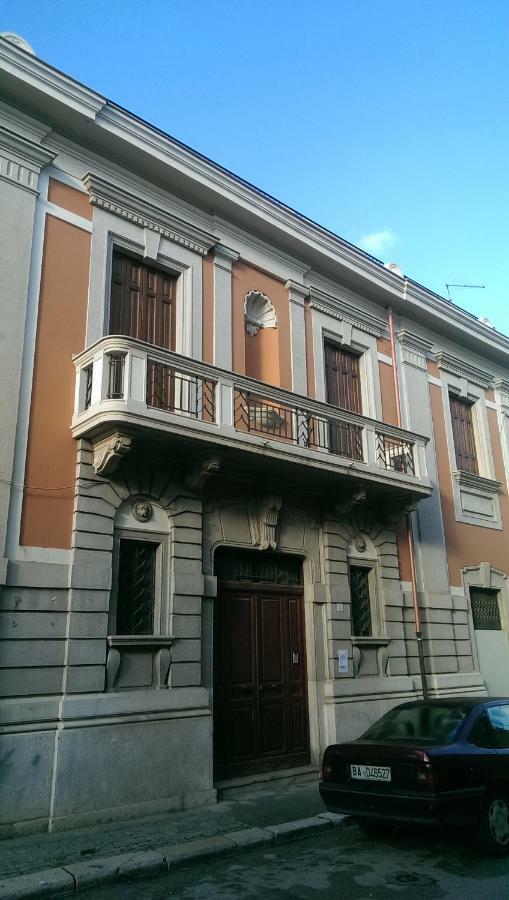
(65, 863)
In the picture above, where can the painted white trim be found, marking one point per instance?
(44, 555)
(58, 212)
(491, 405)
(435, 381)
(13, 548)
(110, 231)
(382, 357)
(328, 327)
(455, 384)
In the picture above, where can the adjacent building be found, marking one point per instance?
(242, 462)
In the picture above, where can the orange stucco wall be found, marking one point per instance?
(208, 309)
(51, 453)
(433, 368)
(468, 545)
(262, 355)
(75, 201)
(272, 354)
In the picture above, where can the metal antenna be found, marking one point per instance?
(481, 286)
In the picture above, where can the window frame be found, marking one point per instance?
(476, 500)
(463, 451)
(147, 265)
(161, 586)
(374, 598)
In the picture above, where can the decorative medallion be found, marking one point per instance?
(142, 510)
(360, 543)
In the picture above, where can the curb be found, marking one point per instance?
(73, 878)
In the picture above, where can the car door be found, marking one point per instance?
(498, 722)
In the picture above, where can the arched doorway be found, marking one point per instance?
(260, 688)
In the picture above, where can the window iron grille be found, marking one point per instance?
(136, 587)
(361, 601)
(252, 566)
(88, 386)
(394, 454)
(116, 376)
(485, 609)
(181, 393)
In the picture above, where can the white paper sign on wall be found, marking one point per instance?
(342, 662)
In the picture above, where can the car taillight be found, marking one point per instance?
(326, 773)
(425, 775)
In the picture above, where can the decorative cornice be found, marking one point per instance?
(224, 257)
(468, 479)
(340, 309)
(502, 385)
(121, 202)
(502, 394)
(414, 348)
(462, 369)
(298, 292)
(21, 160)
(49, 81)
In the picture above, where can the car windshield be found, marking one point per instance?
(424, 722)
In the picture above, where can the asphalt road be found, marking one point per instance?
(338, 865)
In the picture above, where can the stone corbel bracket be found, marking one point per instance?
(348, 503)
(202, 469)
(394, 514)
(109, 452)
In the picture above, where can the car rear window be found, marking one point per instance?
(435, 723)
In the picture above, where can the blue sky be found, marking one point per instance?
(384, 120)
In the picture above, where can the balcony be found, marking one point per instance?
(132, 395)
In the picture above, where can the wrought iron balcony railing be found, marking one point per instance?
(121, 380)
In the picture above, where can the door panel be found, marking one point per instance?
(260, 701)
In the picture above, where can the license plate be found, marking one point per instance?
(371, 773)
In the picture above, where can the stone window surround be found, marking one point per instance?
(502, 407)
(369, 560)
(112, 232)
(156, 530)
(327, 327)
(485, 484)
(486, 576)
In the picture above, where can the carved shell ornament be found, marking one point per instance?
(258, 312)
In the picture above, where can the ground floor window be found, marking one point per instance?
(360, 594)
(485, 609)
(136, 587)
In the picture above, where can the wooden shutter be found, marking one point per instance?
(463, 433)
(142, 302)
(342, 378)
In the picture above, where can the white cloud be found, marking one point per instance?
(378, 242)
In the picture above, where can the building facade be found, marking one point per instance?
(240, 461)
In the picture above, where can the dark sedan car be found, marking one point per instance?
(443, 761)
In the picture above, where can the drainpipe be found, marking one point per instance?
(409, 528)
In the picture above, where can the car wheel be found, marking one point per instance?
(374, 827)
(493, 834)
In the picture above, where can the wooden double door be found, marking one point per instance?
(260, 699)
